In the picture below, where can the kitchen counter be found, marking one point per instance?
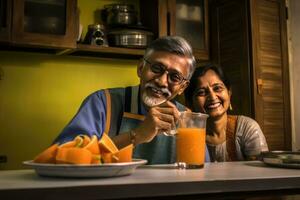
(215, 180)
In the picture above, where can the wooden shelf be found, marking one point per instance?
(82, 50)
(85, 50)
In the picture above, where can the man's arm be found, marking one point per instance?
(89, 120)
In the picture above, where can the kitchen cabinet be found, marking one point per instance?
(185, 18)
(163, 17)
(53, 25)
(192, 15)
(5, 16)
(249, 40)
(48, 23)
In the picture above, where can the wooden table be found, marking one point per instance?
(214, 181)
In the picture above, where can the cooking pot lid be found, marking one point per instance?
(125, 26)
(129, 32)
(120, 7)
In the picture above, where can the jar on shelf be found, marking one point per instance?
(96, 35)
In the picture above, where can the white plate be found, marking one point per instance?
(286, 159)
(279, 163)
(85, 171)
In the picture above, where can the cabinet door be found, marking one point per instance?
(5, 20)
(186, 18)
(231, 49)
(189, 19)
(49, 23)
(250, 42)
(271, 74)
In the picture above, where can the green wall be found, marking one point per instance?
(40, 93)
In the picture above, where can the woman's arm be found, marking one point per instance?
(252, 139)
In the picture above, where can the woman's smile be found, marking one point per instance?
(212, 106)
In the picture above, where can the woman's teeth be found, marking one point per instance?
(214, 105)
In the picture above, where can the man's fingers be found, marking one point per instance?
(167, 118)
(169, 111)
(164, 126)
(167, 104)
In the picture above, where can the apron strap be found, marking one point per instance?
(108, 111)
(113, 107)
(131, 109)
(230, 137)
(127, 104)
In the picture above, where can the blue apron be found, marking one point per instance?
(124, 109)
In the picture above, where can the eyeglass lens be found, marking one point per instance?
(173, 76)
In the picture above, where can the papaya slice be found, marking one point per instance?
(68, 144)
(85, 150)
(73, 155)
(107, 145)
(93, 146)
(109, 158)
(96, 159)
(47, 156)
(79, 141)
(124, 154)
(76, 142)
(86, 140)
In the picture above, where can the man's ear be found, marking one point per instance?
(183, 87)
(140, 68)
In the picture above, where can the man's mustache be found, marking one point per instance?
(165, 91)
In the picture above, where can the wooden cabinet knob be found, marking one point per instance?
(259, 82)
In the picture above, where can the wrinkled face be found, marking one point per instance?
(160, 77)
(211, 95)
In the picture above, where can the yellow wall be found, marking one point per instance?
(40, 93)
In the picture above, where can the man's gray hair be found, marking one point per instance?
(175, 45)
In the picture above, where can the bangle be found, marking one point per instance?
(132, 135)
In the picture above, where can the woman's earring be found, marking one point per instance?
(230, 107)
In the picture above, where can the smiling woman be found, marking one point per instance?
(229, 137)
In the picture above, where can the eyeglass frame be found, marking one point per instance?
(164, 71)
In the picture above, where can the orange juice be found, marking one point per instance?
(190, 146)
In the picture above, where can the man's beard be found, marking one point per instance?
(153, 101)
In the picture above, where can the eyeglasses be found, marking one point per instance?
(174, 77)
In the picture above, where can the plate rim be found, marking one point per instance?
(283, 165)
(274, 158)
(32, 164)
(84, 170)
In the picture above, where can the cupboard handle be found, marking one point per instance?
(168, 23)
(259, 82)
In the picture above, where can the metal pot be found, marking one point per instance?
(132, 38)
(121, 14)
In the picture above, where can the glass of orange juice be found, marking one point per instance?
(190, 139)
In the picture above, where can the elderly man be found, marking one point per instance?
(140, 114)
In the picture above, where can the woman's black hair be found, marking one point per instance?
(200, 71)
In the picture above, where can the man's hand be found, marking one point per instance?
(160, 118)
